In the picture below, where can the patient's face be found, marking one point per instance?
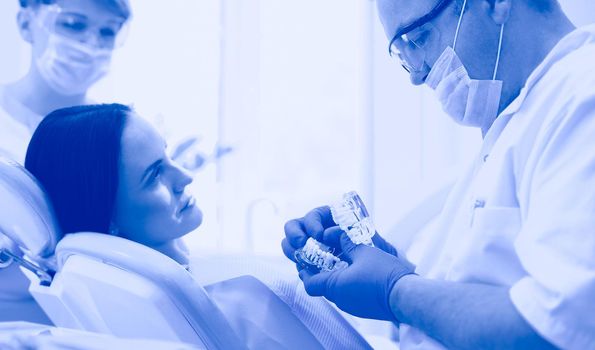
(152, 206)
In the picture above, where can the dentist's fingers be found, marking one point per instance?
(315, 283)
(383, 244)
(295, 234)
(317, 220)
(349, 248)
(288, 249)
(332, 237)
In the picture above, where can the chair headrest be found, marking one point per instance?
(26, 215)
(187, 294)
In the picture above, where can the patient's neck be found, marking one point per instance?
(175, 250)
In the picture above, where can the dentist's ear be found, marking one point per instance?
(24, 22)
(499, 10)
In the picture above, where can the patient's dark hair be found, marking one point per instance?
(75, 154)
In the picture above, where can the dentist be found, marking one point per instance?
(511, 263)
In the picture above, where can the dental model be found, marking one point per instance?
(352, 217)
(317, 257)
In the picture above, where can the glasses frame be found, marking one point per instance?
(121, 34)
(434, 13)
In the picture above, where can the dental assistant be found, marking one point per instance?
(71, 46)
(511, 263)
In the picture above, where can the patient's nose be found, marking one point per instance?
(183, 178)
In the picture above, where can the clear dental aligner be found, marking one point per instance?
(316, 257)
(352, 217)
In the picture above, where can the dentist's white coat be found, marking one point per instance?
(523, 216)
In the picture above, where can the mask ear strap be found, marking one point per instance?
(454, 44)
(499, 51)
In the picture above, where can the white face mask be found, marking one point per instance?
(468, 101)
(70, 67)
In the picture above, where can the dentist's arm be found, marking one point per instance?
(461, 316)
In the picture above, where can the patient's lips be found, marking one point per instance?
(189, 203)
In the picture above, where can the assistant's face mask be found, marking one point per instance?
(71, 67)
(469, 102)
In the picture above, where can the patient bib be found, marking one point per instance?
(265, 320)
(258, 316)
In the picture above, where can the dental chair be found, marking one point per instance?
(101, 283)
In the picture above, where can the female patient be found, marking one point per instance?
(106, 170)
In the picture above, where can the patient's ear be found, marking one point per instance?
(24, 23)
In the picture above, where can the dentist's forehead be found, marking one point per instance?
(99, 10)
(395, 14)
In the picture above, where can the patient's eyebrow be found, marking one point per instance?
(150, 169)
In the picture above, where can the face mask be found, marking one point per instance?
(467, 101)
(70, 67)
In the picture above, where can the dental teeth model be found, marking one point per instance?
(316, 257)
(352, 217)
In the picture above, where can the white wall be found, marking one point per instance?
(293, 105)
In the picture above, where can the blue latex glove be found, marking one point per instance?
(363, 288)
(319, 224)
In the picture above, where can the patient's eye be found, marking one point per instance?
(153, 176)
(156, 173)
(152, 173)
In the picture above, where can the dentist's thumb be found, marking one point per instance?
(316, 284)
(348, 248)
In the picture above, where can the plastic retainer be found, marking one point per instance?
(352, 217)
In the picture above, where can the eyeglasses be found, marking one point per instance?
(409, 42)
(79, 27)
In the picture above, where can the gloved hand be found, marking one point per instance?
(319, 224)
(363, 288)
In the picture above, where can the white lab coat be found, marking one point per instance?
(17, 123)
(523, 215)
